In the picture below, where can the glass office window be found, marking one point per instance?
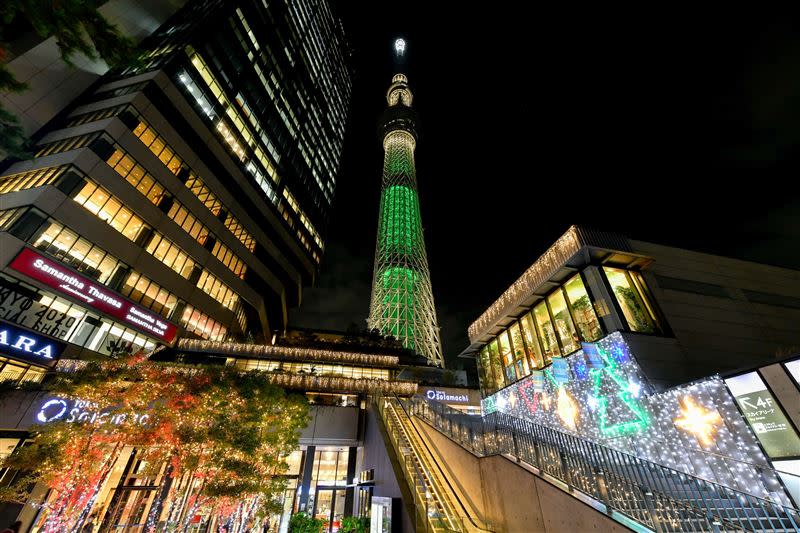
(151, 295)
(518, 347)
(563, 322)
(507, 357)
(136, 175)
(531, 341)
(637, 313)
(165, 251)
(201, 324)
(67, 246)
(212, 286)
(547, 334)
(497, 367)
(582, 309)
(99, 202)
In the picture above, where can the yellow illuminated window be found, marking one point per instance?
(30, 179)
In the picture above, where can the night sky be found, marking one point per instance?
(677, 127)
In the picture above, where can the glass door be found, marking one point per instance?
(329, 507)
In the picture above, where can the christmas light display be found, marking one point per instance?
(202, 445)
(695, 428)
(702, 423)
(548, 264)
(402, 299)
(285, 352)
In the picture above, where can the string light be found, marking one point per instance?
(615, 405)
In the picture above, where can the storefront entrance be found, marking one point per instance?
(329, 506)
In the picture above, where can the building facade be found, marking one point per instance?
(188, 196)
(622, 343)
(402, 298)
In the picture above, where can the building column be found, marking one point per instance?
(351, 488)
(308, 470)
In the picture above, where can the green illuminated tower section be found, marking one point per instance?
(402, 299)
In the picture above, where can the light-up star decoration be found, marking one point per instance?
(400, 46)
(698, 421)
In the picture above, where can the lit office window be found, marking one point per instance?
(637, 310)
(182, 217)
(212, 286)
(171, 255)
(196, 322)
(204, 194)
(99, 202)
(148, 293)
(239, 232)
(136, 175)
(9, 216)
(31, 179)
(64, 145)
(563, 322)
(544, 327)
(582, 309)
(70, 248)
(229, 259)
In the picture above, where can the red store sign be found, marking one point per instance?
(64, 280)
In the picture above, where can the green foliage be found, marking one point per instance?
(78, 29)
(303, 523)
(353, 524)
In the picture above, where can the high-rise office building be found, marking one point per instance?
(186, 196)
(402, 299)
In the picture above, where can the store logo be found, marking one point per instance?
(25, 344)
(62, 279)
(441, 396)
(28, 346)
(58, 409)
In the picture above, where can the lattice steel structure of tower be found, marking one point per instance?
(402, 299)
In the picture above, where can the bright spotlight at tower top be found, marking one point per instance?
(400, 46)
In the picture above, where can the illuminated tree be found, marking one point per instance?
(218, 437)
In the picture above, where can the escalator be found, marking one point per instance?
(437, 505)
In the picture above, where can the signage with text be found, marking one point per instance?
(448, 395)
(24, 345)
(55, 409)
(765, 417)
(61, 278)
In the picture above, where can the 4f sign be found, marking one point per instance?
(28, 346)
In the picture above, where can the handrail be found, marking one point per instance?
(647, 492)
(416, 478)
(444, 476)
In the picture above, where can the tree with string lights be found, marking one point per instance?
(216, 439)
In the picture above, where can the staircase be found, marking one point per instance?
(637, 493)
(438, 508)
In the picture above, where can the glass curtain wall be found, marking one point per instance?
(555, 327)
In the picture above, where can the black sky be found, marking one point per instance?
(677, 127)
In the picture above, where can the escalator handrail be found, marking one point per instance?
(443, 475)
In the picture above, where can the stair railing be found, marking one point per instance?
(658, 497)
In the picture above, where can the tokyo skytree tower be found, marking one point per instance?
(402, 300)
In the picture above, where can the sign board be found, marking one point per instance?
(54, 409)
(764, 415)
(592, 353)
(27, 346)
(61, 278)
(450, 395)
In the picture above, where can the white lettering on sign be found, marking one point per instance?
(58, 409)
(442, 396)
(58, 274)
(25, 344)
